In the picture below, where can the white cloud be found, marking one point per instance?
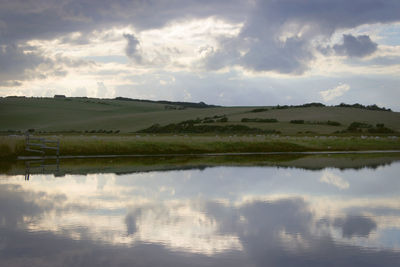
(333, 93)
(335, 180)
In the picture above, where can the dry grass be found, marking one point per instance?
(11, 147)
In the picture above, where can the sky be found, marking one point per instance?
(224, 52)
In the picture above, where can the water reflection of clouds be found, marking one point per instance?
(180, 226)
(263, 215)
(333, 179)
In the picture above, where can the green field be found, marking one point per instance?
(92, 115)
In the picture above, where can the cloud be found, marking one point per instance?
(253, 37)
(355, 46)
(279, 36)
(19, 63)
(331, 94)
(132, 48)
(73, 22)
(49, 19)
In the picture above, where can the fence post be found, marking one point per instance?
(26, 138)
(58, 148)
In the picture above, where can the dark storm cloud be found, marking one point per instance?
(260, 46)
(15, 64)
(132, 48)
(47, 19)
(291, 56)
(278, 35)
(356, 46)
(24, 20)
(21, 62)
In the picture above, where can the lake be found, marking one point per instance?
(338, 212)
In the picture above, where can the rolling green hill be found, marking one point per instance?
(90, 114)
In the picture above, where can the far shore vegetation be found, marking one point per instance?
(124, 165)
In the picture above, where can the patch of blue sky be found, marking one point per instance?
(390, 237)
(377, 61)
(390, 34)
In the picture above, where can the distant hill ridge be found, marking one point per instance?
(178, 103)
(204, 105)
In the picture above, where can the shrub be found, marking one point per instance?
(358, 126)
(297, 121)
(259, 120)
(259, 110)
(333, 123)
(313, 104)
(190, 128)
(380, 128)
(357, 105)
(307, 105)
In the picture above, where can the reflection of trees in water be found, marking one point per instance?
(150, 164)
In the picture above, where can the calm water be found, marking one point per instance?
(220, 216)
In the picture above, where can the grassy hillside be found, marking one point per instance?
(48, 114)
(87, 114)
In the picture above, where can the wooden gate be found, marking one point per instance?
(41, 144)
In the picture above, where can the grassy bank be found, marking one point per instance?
(12, 147)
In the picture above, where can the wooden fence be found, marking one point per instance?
(41, 144)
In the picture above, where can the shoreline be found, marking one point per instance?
(210, 154)
(149, 163)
